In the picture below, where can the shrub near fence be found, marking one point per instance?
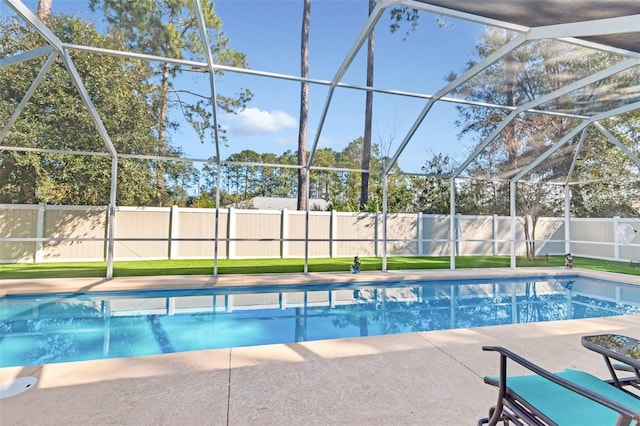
(44, 233)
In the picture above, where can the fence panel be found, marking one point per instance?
(256, 225)
(82, 222)
(37, 233)
(319, 228)
(404, 229)
(550, 236)
(476, 233)
(592, 237)
(435, 235)
(503, 236)
(356, 226)
(192, 224)
(18, 221)
(145, 233)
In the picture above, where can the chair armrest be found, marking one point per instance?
(506, 354)
(623, 367)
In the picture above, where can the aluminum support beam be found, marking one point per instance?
(307, 184)
(55, 42)
(204, 39)
(375, 15)
(572, 133)
(560, 28)
(600, 75)
(606, 26)
(464, 16)
(25, 56)
(224, 68)
(77, 81)
(567, 219)
(385, 210)
(452, 223)
(111, 217)
(36, 23)
(25, 99)
(212, 76)
(575, 155)
(466, 76)
(617, 143)
(512, 214)
(216, 242)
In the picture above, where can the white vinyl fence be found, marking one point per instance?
(48, 233)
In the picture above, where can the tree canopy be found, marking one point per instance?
(139, 106)
(55, 118)
(529, 73)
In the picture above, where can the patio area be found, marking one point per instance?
(418, 378)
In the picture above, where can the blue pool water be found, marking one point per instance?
(46, 329)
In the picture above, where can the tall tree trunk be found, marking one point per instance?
(304, 107)
(44, 9)
(368, 116)
(527, 236)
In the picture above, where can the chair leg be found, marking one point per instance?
(494, 418)
(485, 420)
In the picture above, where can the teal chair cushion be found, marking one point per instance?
(566, 407)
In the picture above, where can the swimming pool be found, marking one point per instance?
(44, 329)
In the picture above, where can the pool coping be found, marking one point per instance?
(67, 285)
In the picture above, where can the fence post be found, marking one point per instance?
(108, 235)
(529, 241)
(39, 255)
(376, 233)
(333, 229)
(616, 243)
(458, 232)
(494, 233)
(284, 226)
(173, 231)
(231, 248)
(567, 219)
(419, 226)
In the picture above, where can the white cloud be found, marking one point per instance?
(253, 121)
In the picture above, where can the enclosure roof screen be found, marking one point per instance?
(540, 13)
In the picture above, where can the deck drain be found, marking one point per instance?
(14, 387)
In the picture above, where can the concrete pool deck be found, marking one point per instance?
(423, 378)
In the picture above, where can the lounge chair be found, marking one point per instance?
(570, 398)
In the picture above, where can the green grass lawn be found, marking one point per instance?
(264, 266)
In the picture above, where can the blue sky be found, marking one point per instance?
(268, 32)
